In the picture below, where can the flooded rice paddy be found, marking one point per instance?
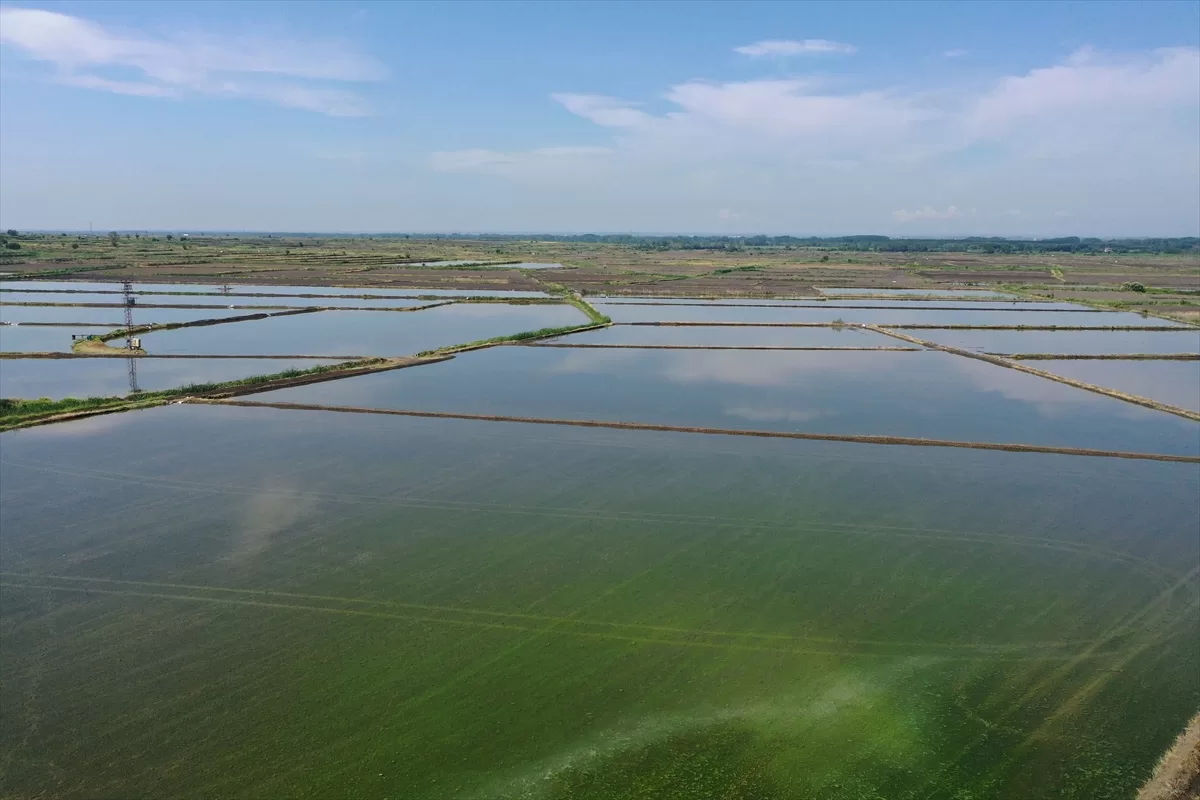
(914, 292)
(114, 315)
(928, 394)
(43, 338)
(287, 603)
(230, 601)
(108, 377)
(362, 332)
(627, 312)
(1173, 382)
(731, 337)
(1072, 342)
(149, 301)
(281, 290)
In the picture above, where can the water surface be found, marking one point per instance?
(1069, 342)
(107, 377)
(363, 332)
(698, 336)
(1174, 382)
(42, 338)
(143, 300)
(926, 394)
(820, 302)
(625, 312)
(236, 288)
(923, 292)
(217, 602)
(64, 315)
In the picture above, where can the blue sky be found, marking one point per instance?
(899, 118)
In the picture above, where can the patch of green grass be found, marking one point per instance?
(540, 333)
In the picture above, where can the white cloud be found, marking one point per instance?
(1088, 84)
(955, 53)
(793, 47)
(607, 111)
(242, 67)
(928, 212)
(787, 151)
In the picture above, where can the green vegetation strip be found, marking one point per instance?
(1010, 364)
(20, 413)
(710, 347)
(1100, 356)
(120, 352)
(541, 333)
(642, 426)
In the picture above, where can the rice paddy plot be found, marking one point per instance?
(1070, 342)
(732, 337)
(214, 301)
(924, 394)
(396, 291)
(238, 288)
(624, 312)
(262, 603)
(374, 333)
(828, 290)
(42, 338)
(32, 378)
(65, 315)
(820, 302)
(1173, 382)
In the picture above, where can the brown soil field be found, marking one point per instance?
(608, 269)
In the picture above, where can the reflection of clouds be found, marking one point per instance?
(776, 414)
(88, 426)
(273, 507)
(752, 368)
(533, 314)
(1050, 399)
(585, 361)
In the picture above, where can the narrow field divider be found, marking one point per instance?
(1011, 364)
(710, 347)
(643, 426)
(1099, 356)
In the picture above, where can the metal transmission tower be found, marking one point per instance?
(131, 360)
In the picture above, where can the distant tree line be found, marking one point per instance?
(877, 244)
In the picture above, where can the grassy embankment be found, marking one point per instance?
(16, 413)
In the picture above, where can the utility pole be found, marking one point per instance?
(131, 360)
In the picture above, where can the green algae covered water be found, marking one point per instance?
(234, 602)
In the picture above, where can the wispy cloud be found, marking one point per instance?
(542, 160)
(956, 53)
(1110, 136)
(86, 54)
(607, 111)
(795, 47)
